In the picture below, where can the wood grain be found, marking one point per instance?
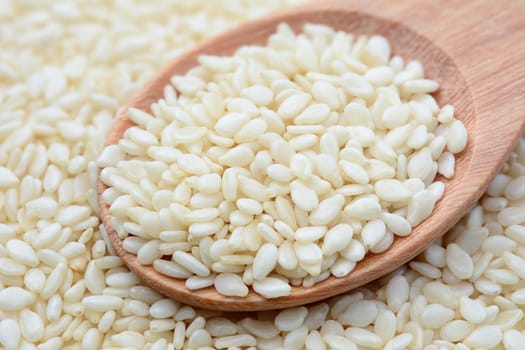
(473, 48)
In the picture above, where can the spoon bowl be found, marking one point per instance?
(472, 51)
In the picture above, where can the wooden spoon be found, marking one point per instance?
(474, 49)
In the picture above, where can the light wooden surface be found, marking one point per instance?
(475, 49)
